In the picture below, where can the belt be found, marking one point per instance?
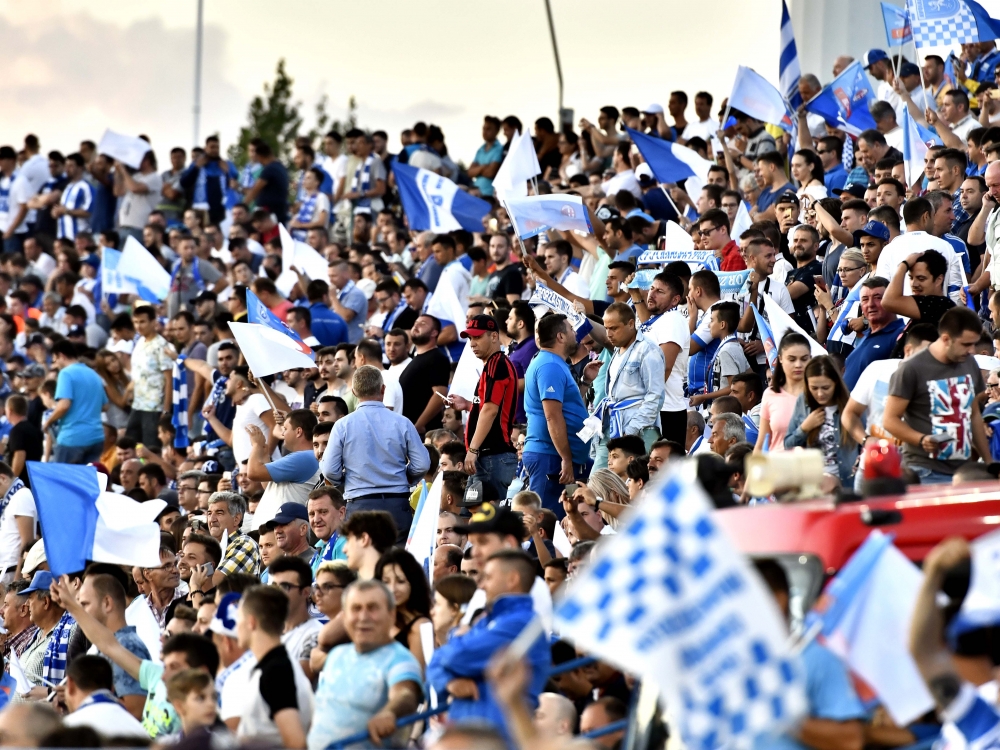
(380, 496)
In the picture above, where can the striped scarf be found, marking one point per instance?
(16, 485)
(54, 663)
(305, 213)
(362, 180)
(847, 157)
(180, 403)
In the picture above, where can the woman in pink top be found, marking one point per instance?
(787, 384)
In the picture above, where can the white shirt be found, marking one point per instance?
(704, 129)
(917, 242)
(888, 94)
(393, 396)
(297, 637)
(396, 370)
(248, 413)
(574, 283)
(895, 138)
(622, 181)
(963, 127)
(781, 270)
(21, 504)
(233, 697)
(109, 719)
(672, 327)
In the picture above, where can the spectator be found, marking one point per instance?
(801, 282)
(278, 704)
(21, 631)
(192, 694)
(389, 674)
(164, 586)
(369, 534)
(294, 576)
(90, 699)
(377, 454)
(599, 714)
(331, 580)
(405, 578)
(424, 376)
(225, 519)
(291, 477)
(927, 275)
(447, 559)
(327, 509)
(787, 384)
(45, 657)
(151, 371)
(883, 328)
(451, 594)
(369, 352)
(458, 666)
(79, 400)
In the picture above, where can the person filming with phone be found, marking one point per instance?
(933, 406)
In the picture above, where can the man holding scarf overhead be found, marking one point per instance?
(190, 276)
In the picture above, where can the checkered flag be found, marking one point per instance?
(671, 600)
(942, 23)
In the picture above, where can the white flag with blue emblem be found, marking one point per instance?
(670, 599)
(942, 23)
(535, 214)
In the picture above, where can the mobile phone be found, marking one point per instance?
(571, 488)
(940, 439)
(227, 475)
(209, 568)
(820, 282)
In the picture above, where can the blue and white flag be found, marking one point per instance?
(138, 266)
(258, 312)
(981, 606)
(766, 338)
(754, 95)
(671, 163)
(519, 166)
(844, 102)
(662, 257)
(82, 523)
(781, 323)
(267, 350)
(557, 303)
(643, 278)
(669, 598)
(788, 64)
(942, 23)
(179, 417)
(731, 283)
(741, 223)
(535, 214)
(916, 141)
(897, 25)
(112, 281)
(864, 616)
(420, 540)
(435, 203)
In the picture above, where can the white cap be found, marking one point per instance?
(123, 346)
(643, 170)
(986, 362)
(34, 558)
(653, 109)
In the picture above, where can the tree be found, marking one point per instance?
(273, 117)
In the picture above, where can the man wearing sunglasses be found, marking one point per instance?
(294, 576)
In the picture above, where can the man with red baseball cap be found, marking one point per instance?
(491, 456)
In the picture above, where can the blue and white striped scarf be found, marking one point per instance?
(16, 485)
(847, 156)
(54, 663)
(305, 213)
(180, 403)
(362, 180)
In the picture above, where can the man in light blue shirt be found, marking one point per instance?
(80, 399)
(376, 454)
(348, 301)
(487, 161)
(369, 683)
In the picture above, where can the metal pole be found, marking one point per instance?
(555, 51)
(197, 73)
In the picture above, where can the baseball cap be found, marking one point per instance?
(873, 56)
(875, 229)
(224, 619)
(644, 174)
(479, 325)
(787, 197)
(33, 371)
(40, 582)
(607, 213)
(908, 69)
(492, 520)
(289, 512)
(653, 109)
(34, 558)
(211, 467)
(92, 260)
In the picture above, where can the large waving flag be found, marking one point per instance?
(669, 598)
(756, 96)
(138, 266)
(942, 23)
(672, 163)
(788, 64)
(844, 102)
(535, 214)
(864, 616)
(420, 541)
(258, 313)
(83, 523)
(781, 323)
(897, 25)
(519, 166)
(435, 203)
(268, 350)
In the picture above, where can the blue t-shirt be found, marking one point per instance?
(126, 684)
(81, 425)
(353, 687)
(836, 178)
(299, 466)
(354, 299)
(768, 196)
(630, 254)
(487, 156)
(871, 348)
(548, 378)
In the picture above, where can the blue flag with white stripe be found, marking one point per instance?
(788, 64)
(942, 23)
(257, 312)
(844, 102)
(766, 338)
(897, 25)
(670, 162)
(435, 203)
(670, 599)
(535, 214)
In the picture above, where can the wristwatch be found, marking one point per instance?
(597, 503)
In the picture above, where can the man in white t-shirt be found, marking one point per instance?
(17, 521)
(237, 662)
(624, 178)
(760, 257)
(667, 326)
(872, 389)
(139, 191)
(919, 218)
(368, 352)
(91, 701)
(251, 409)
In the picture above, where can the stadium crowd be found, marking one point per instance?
(285, 609)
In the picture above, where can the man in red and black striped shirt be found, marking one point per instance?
(491, 456)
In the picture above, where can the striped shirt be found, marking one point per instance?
(75, 196)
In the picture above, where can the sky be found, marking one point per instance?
(74, 68)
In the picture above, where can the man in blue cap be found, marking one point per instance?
(879, 66)
(45, 658)
(291, 531)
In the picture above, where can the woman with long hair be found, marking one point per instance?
(807, 169)
(608, 486)
(787, 384)
(118, 387)
(451, 594)
(401, 572)
(816, 420)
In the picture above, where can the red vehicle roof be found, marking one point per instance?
(919, 520)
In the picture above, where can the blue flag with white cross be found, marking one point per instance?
(671, 600)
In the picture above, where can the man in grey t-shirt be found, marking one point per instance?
(932, 406)
(190, 276)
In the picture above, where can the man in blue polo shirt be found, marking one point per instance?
(883, 328)
(347, 300)
(80, 399)
(553, 454)
(487, 161)
(769, 168)
(831, 150)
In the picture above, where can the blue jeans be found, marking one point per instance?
(497, 471)
(539, 466)
(397, 506)
(929, 476)
(78, 454)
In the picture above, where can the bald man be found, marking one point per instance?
(555, 716)
(27, 724)
(129, 474)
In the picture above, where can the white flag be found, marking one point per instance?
(16, 670)
(268, 351)
(520, 165)
(466, 378)
(140, 267)
(127, 149)
(741, 223)
(781, 323)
